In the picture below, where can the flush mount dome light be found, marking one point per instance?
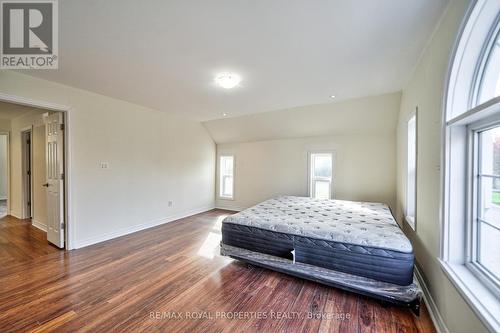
(228, 80)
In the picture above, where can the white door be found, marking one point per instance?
(55, 178)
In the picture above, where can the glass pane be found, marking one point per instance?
(321, 189)
(227, 190)
(489, 248)
(490, 151)
(411, 167)
(227, 165)
(322, 165)
(489, 204)
(490, 80)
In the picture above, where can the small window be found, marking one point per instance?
(411, 172)
(226, 176)
(486, 243)
(320, 178)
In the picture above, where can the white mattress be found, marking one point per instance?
(357, 223)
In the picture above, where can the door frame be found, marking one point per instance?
(7, 153)
(27, 212)
(69, 231)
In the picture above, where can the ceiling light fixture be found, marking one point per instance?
(228, 80)
(332, 96)
(224, 114)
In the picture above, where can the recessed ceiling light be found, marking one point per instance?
(228, 80)
(224, 114)
(332, 96)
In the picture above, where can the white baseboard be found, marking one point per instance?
(39, 225)
(431, 305)
(15, 214)
(236, 209)
(125, 231)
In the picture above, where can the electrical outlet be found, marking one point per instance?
(104, 165)
(170, 203)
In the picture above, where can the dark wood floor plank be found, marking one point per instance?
(116, 286)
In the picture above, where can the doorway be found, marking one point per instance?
(42, 153)
(27, 154)
(37, 184)
(4, 173)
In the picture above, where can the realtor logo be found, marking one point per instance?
(29, 34)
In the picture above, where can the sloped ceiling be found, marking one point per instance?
(369, 115)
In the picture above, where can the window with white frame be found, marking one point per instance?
(481, 124)
(226, 177)
(470, 244)
(411, 170)
(485, 240)
(320, 175)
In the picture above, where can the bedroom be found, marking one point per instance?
(385, 113)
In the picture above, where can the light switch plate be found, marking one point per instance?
(104, 165)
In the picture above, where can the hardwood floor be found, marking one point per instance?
(20, 243)
(170, 279)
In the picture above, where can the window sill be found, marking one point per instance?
(226, 198)
(410, 220)
(482, 301)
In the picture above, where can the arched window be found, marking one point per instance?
(488, 85)
(471, 158)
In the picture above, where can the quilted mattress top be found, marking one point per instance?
(358, 223)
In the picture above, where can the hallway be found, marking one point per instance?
(3, 208)
(20, 242)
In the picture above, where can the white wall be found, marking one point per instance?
(4, 125)
(364, 168)
(426, 89)
(3, 166)
(154, 158)
(361, 132)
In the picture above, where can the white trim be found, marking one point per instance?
(481, 111)
(481, 300)
(32, 103)
(470, 47)
(445, 105)
(485, 56)
(16, 215)
(434, 313)
(410, 220)
(233, 208)
(474, 199)
(68, 147)
(129, 230)
(39, 225)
